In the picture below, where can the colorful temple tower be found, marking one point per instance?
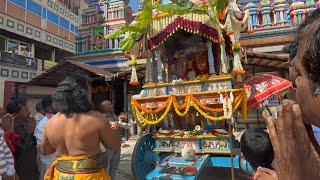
(99, 19)
(273, 22)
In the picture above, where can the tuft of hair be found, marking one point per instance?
(15, 105)
(71, 95)
(291, 49)
(257, 148)
(39, 106)
(46, 102)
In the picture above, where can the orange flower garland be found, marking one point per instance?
(187, 107)
(172, 100)
(215, 109)
(176, 104)
(162, 107)
(240, 72)
(205, 107)
(134, 83)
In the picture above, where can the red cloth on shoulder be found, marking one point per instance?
(12, 139)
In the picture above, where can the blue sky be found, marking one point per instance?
(134, 5)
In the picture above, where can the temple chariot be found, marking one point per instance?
(192, 61)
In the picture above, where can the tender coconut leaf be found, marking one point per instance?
(219, 4)
(128, 28)
(114, 34)
(186, 3)
(178, 10)
(127, 43)
(145, 17)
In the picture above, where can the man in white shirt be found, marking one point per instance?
(45, 161)
(111, 159)
(40, 113)
(27, 53)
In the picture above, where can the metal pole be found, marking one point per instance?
(231, 148)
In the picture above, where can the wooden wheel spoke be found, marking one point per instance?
(141, 164)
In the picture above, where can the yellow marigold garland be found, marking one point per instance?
(240, 99)
(183, 106)
(234, 108)
(162, 107)
(206, 115)
(134, 112)
(157, 120)
(186, 110)
(215, 109)
(196, 101)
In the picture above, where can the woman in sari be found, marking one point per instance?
(75, 133)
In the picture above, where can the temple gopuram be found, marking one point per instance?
(100, 18)
(273, 22)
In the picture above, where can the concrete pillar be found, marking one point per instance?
(2, 87)
(39, 67)
(33, 50)
(53, 55)
(210, 58)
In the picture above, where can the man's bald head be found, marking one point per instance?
(107, 106)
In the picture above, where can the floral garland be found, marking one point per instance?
(206, 115)
(152, 111)
(196, 101)
(137, 119)
(232, 106)
(186, 110)
(227, 108)
(157, 120)
(215, 109)
(183, 106)
(216, 118)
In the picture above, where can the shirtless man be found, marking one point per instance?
(75, 133)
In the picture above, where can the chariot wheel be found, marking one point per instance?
(143, 158)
